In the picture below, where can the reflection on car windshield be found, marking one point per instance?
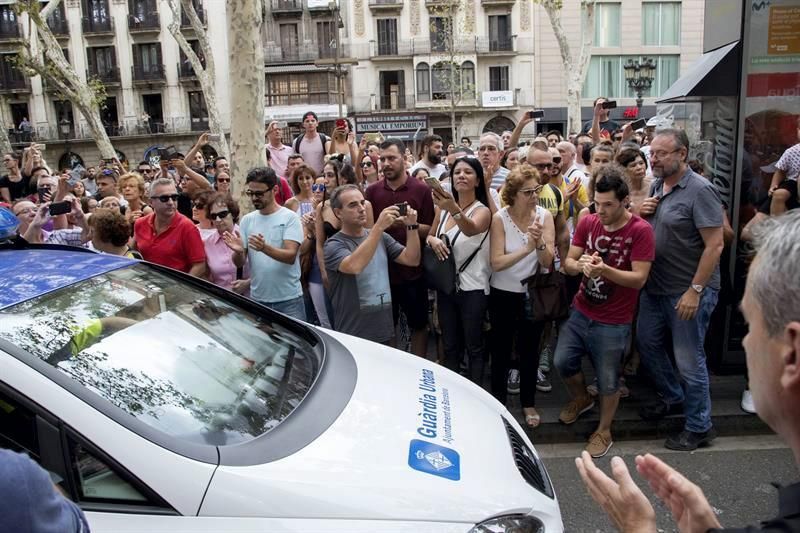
(183, 361)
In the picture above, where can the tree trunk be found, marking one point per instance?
(247, 90)
(206, 76)
(575, 69)
(5, 143)
(61, 73)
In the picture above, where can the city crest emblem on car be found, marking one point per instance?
(434, 459)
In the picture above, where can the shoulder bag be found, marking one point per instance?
(548, 294)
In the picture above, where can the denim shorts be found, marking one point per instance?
(604, 343)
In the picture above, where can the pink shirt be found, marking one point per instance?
(279, 158)
(219, 257)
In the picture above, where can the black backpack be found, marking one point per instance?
(296, 144)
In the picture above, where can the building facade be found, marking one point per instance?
(393, 57)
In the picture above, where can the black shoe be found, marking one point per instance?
(660, 409)
(687, 441)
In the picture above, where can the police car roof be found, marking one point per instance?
(36, 270)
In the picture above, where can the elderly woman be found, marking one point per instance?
(111, 233)
(132, 188)
(223, 212)
(523, 238)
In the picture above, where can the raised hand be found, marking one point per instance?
(233, 241)
(535, 231)
(256, 242)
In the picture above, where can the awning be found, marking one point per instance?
(715, 73)
(295, 113)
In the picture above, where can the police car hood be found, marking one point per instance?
(415, 442)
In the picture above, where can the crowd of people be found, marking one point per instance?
(451, 242)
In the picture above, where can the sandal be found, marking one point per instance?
(533, 420)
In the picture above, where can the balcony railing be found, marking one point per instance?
(185, 70)
(126, 128)
(399, 47)
(93, 26)
(58, 26)
(142, 23)
(14, 84)
(9, 31)
(149, 73)
(284, 6)
(311, 51)
(395, 102)
(110, 75)
(495, 44)
(200, 14)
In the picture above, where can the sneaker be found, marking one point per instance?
(624, 391)
(542, 383)
(598, 445)
(570, 413)
(687, 441)
(592, 391)
(513, 381)
(747, 402)
(544, 359)
(660, 409)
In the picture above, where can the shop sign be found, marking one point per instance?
(497, 98)
(392, 124)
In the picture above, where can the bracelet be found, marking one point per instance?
(412, 227)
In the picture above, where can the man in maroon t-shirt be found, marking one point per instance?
(165, 236)
(613, 249)
(409, 291)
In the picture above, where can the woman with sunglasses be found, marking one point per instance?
(523, 237)
(223, 183)
(199, 209)
(367, 171)
(223, 213)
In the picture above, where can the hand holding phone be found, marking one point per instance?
(434, 184)
(609, 104)
(638, 124)
(402, 207)
(60, 208)
(536, 113)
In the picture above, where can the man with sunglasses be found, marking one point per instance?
(575, 195)
(165, 236)
(146, 170)
(270, 240)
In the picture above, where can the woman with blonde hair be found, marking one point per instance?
(132, 188)
(523, 238)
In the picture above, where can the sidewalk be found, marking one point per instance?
(727, 415)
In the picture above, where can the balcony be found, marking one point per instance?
(398, 48)
(148, 75)
(496, 45)
(58, 27)
(149, 23)
(386, 6)
(10, 31)
(287, 8)
(109, 76)
(186, 74)
(201, 14)
(395, 102)
(10, 85)
(498, 3)
(302, 53)
(98, 27)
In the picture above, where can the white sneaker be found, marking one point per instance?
(747, 402)
(513, 381)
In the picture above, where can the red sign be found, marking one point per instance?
(781, 84)
(631, 112)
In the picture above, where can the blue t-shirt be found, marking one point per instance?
(29, 501)
(273, 281)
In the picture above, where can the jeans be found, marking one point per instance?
(295, 308)
(510, 317)
(604, 343)
(461, 319)
(657, 316)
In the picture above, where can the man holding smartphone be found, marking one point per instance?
(601, 125)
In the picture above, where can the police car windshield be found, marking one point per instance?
(183, 361)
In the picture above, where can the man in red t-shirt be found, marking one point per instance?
(613, 249)
(165, 236)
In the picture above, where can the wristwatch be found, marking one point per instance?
(697, 288)
(457, 216)
(542, 247)
(412, 227)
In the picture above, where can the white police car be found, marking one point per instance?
(159, 402)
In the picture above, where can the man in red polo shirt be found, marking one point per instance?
(165, 236)
(409, 291)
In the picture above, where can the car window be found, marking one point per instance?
(183, 361)
(18, 428)
(97, 481)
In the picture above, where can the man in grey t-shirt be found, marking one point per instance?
(681, 293)
(357, 261)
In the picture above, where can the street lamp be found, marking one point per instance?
(337, 61)
(640, 76)
(65, 126)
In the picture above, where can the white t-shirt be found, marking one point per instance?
(435, 172)
(509, 279)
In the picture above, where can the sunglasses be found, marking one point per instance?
(220, 215)
(198, 205)
(318, 188)
(164, 198)
(531, 192)
(366, 164)
(223, 180)
(257, 194)
(556, 160)
(145, 170)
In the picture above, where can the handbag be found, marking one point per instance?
(548, 294)
(440, 275)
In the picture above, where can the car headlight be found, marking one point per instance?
(512, 523)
